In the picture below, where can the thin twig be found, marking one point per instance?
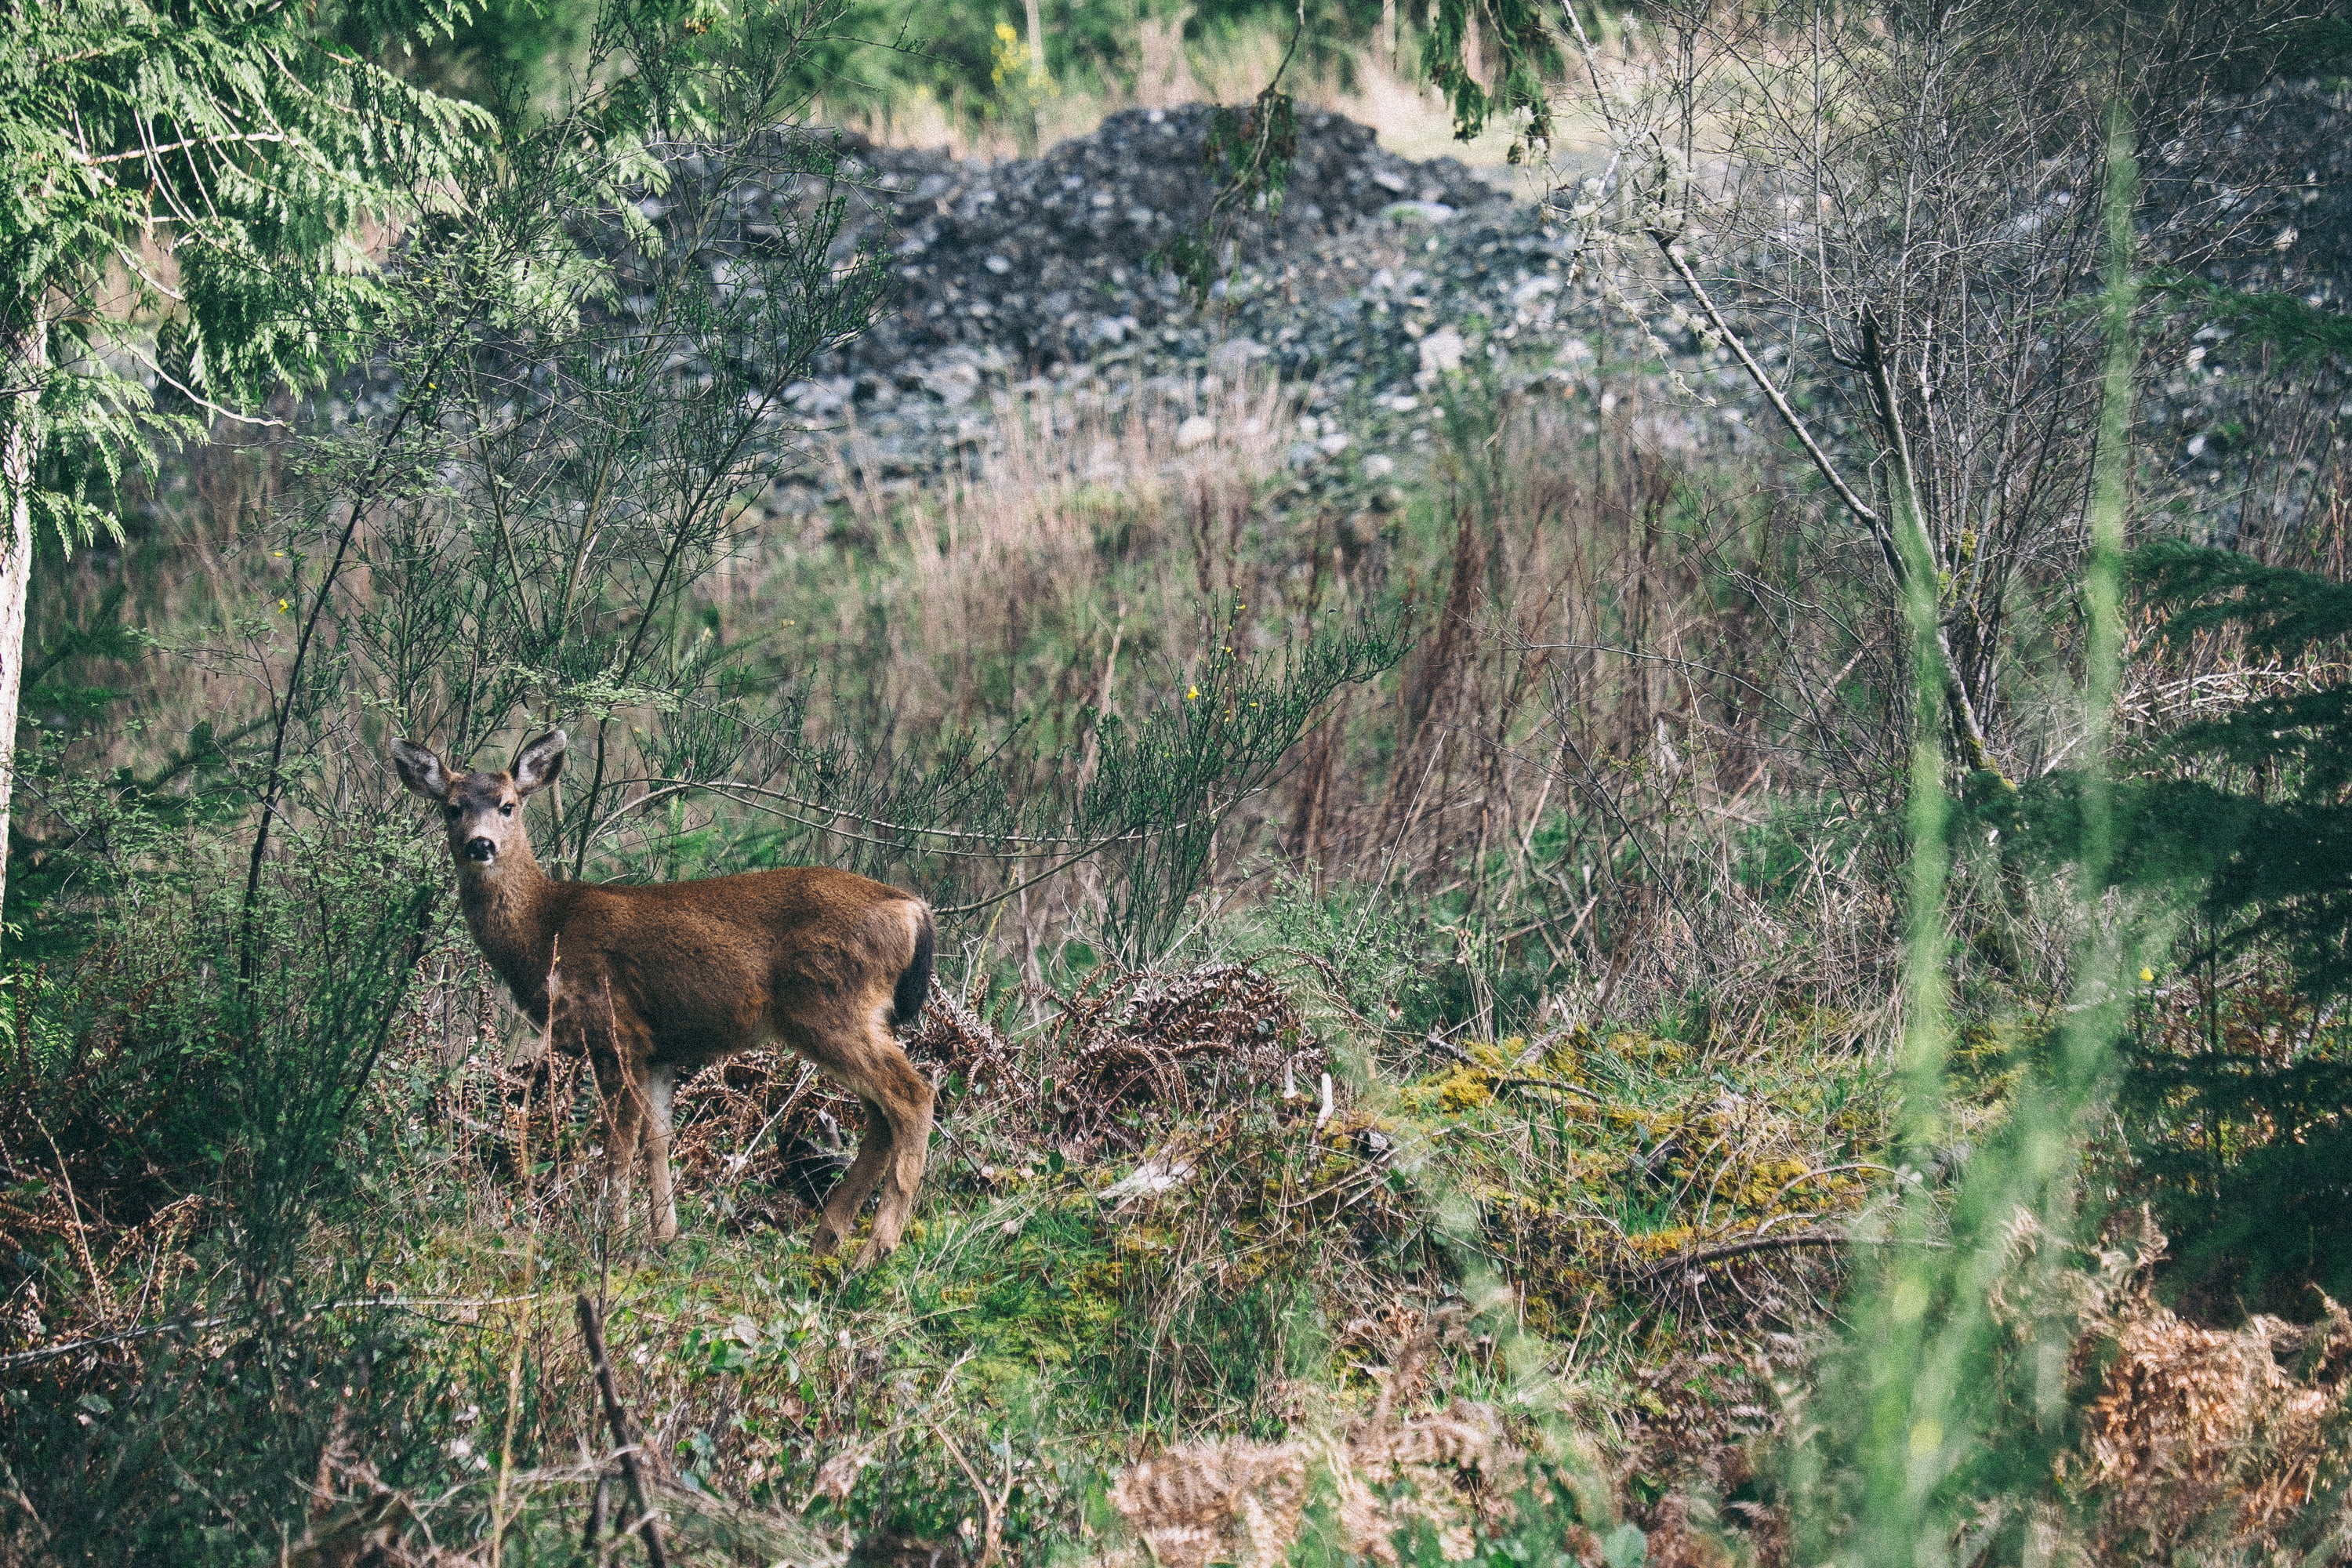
(1592, 782)
(1502, 1082)
(1670, 244)
(1797, 1181)
(992, 1509)
(617, 1416)
(197, 1325)
(1707, 1254)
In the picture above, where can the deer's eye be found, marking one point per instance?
(507, 810)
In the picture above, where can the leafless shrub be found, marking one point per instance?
(1897, 214)
(1139, 1041)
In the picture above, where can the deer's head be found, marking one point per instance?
(482, 811)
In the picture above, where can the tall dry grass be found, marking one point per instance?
(1626, 667)
(1632, 673)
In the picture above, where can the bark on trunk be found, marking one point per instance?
(1034, 17)
(27, 358)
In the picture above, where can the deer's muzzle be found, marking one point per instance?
(481, 851)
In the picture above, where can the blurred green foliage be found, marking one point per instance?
(882, 52)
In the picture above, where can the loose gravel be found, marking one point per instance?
(1038, 279)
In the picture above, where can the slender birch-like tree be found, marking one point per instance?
(1891, 230)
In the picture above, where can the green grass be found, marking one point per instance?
(1029, 1323)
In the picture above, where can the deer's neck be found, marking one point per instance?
(509, 909)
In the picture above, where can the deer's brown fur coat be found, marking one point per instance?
(655, 981)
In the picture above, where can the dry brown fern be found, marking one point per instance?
(2202, 1435)
(1237, 1502)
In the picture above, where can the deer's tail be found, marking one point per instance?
(915, 980)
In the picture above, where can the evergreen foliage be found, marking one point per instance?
(2270, 817)
(2236, 1098)
(2298, 331)
(2239, 1110)
(184, 194)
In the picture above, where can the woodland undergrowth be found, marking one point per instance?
(1474, 1171)
(1443, 1050)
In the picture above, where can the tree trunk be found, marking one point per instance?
(27, 358)
(1037, 83)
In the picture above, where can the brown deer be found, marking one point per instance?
(651, 982)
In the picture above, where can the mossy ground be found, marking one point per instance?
(1049, 1319)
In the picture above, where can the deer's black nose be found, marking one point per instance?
(480, 849)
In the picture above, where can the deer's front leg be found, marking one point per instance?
(661, 1086)
(621, 1085)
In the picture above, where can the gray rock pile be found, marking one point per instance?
(1040, 263)
(1043, 278)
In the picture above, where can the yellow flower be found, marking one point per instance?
(1011, 56)
(2146, 975)
(284, 606)
(1191, 694)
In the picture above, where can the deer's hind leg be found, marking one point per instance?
(849, 1193)
(868, 1061)
(904, 1096)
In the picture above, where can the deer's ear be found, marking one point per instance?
(536, 765)
(420, 771)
